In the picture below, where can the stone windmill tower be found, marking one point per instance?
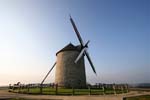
(70, 67)
(68, 73)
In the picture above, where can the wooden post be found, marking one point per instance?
(89, 90)
(122, 89)
(72, 91)
(103, 88)
(56, 89)
(114, 88)
(19, 89)
(13, 88)
(41, 88)
(127, 88)
(28, 87)
(9, 88)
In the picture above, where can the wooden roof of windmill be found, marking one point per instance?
(70, 47)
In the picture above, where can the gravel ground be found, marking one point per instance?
(4, 94)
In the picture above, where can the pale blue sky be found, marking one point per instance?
(32, 31)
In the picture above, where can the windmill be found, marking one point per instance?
(70, 67)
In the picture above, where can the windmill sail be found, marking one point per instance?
(76, 31)
(89, 59)
(83, 48)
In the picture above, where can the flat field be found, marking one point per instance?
(64, 91)
(143, 97)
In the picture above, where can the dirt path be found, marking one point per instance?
(6, 94)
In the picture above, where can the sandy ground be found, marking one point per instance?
(5, 94)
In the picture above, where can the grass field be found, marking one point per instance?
(143, 97)
(64, 91)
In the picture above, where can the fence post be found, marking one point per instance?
(13, 88)
(127, 88)
(28, 86)
(9, 88)
(122, 89)
(19, 89)
(114, 88)
(41, 88)
(56, 88)
(103, 88)
(89, 90)
(72, 91)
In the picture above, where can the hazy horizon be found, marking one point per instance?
(32, 31)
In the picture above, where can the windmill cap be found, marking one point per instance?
(70, 47)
